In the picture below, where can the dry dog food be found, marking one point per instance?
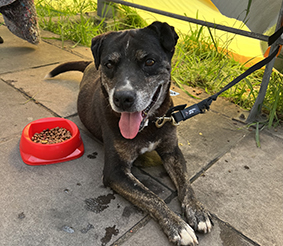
(52, 136)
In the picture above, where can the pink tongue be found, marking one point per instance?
(130, 124)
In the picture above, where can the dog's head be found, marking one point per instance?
(135, 70)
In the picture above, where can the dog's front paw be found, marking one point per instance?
(179, 232)
(198, 218)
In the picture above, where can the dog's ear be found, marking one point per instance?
(167, 35)
(96, 47)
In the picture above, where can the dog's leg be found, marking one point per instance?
(119, 178)
(175, 164)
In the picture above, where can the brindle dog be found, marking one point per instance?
(121, 94)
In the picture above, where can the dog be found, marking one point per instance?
(121, 94)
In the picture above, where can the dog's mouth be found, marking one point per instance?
(155, 97)
(131, 123)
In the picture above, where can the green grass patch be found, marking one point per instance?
(198, 60)
(75, 20)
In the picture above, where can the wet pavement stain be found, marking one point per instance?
(99, 204)
(129, 210)
(92, 155)
(109, 232)
(88, 227)
(21, 216)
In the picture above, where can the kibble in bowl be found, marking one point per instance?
(52, 136)
(50, 140)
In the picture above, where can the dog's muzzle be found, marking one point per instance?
(124, 99)
(131, 123)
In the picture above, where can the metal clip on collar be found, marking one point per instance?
(162, 120)
(168, 117)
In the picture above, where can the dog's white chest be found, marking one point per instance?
(151, 146)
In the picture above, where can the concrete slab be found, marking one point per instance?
(203, 139)
(221, 235)
(244, 188)
(17, 54)
(206, 137)
(278, 131)
(62, 204)
(17, 111)
(70, 46)
(159, 173)
(58, 94)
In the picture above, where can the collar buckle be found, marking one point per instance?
(162, 120)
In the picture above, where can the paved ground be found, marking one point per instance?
(66, 203)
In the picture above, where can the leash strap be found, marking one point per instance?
(200, 107)
(181, 113)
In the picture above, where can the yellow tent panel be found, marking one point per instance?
(243, 48)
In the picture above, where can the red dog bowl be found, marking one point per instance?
(42, 154)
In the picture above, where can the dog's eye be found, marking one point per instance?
(109, 65)
(149, 62)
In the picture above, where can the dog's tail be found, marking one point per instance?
(68, 66)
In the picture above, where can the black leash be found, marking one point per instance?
(181, 113)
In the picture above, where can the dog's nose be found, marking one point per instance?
(124, 99)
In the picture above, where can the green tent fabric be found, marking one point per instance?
(21, 19)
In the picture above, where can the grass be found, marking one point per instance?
(198, 60)
(74, 21)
